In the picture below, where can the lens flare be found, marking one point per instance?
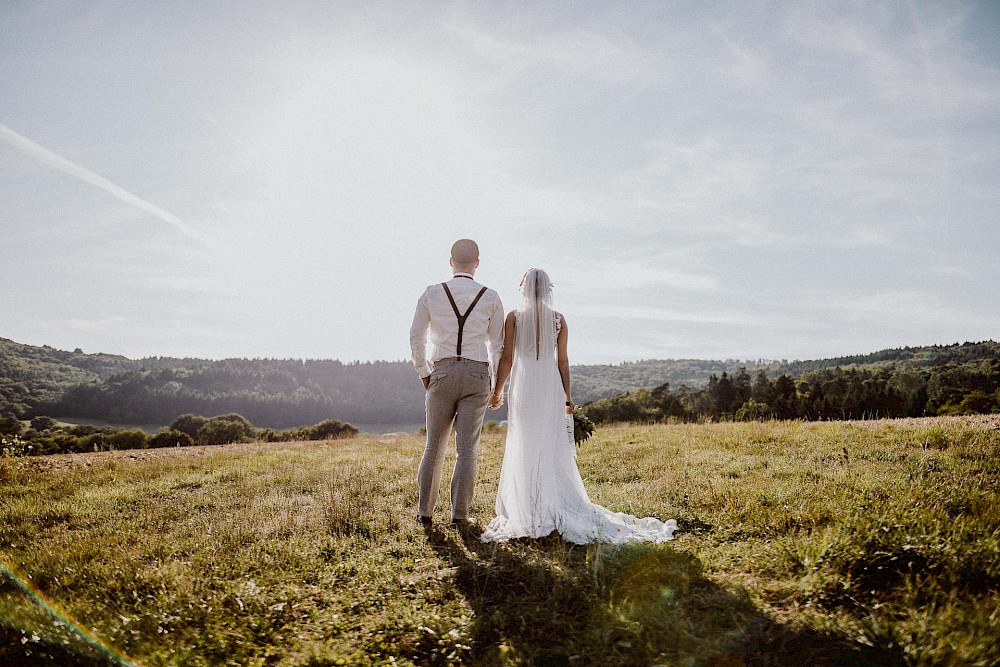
(8, 569)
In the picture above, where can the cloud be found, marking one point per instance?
(57, 161)
(709, 180)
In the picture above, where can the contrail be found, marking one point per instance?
(46, 156)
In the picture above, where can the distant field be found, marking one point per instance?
(825, 543)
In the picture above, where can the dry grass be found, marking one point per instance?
(799, 543)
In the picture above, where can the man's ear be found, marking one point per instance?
(451, 262)
(477, 263)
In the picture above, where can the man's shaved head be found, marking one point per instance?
(464, 252)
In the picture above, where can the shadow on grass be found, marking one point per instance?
(547, 602)
(18, 649)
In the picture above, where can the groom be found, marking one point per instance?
(465, 322)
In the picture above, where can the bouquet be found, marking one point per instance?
(583, 427)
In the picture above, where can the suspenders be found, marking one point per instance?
(461, 317)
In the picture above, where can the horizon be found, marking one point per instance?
(701, 181)
(753, 360)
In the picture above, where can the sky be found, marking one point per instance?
(742, 180)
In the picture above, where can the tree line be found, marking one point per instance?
(274, 392)
(282, 393)
(271, 392)
(880, 391)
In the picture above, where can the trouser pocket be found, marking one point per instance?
(436, 377)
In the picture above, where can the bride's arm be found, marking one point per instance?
(506, 360)
(563, 360)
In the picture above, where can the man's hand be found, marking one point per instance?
(427, 382)
(496, 400)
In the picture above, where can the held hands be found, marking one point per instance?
(496, 400)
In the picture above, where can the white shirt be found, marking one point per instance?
(482, 335)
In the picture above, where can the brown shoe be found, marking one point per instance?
(424, 520)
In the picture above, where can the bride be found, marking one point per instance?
(541, 490)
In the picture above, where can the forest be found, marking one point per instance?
(286, 393)
(949, 380)
(275, 393)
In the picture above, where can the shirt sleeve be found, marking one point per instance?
(495, 335)
(418, 336)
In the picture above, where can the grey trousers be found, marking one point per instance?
(458, 393)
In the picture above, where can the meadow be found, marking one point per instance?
(799, 543)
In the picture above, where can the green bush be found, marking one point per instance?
(217, 431)
(634, 406)
(57, 443)
(267, 435)
(188, 423)
(288, 435)
(754, 411)
(10, 425)
(128, 439)
(43, 423)
(244, 423)
(170, 438)
(95, 442)
(331, 429)
(84, 429)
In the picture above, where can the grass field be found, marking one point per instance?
(838, 543)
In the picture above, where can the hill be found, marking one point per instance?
(908, 358)
(281, 393)
(905, 382)
(31, 375)
(595, 382)
(270, 392)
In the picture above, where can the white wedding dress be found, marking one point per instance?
(541, 490)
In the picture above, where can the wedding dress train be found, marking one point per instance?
(540, 489)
